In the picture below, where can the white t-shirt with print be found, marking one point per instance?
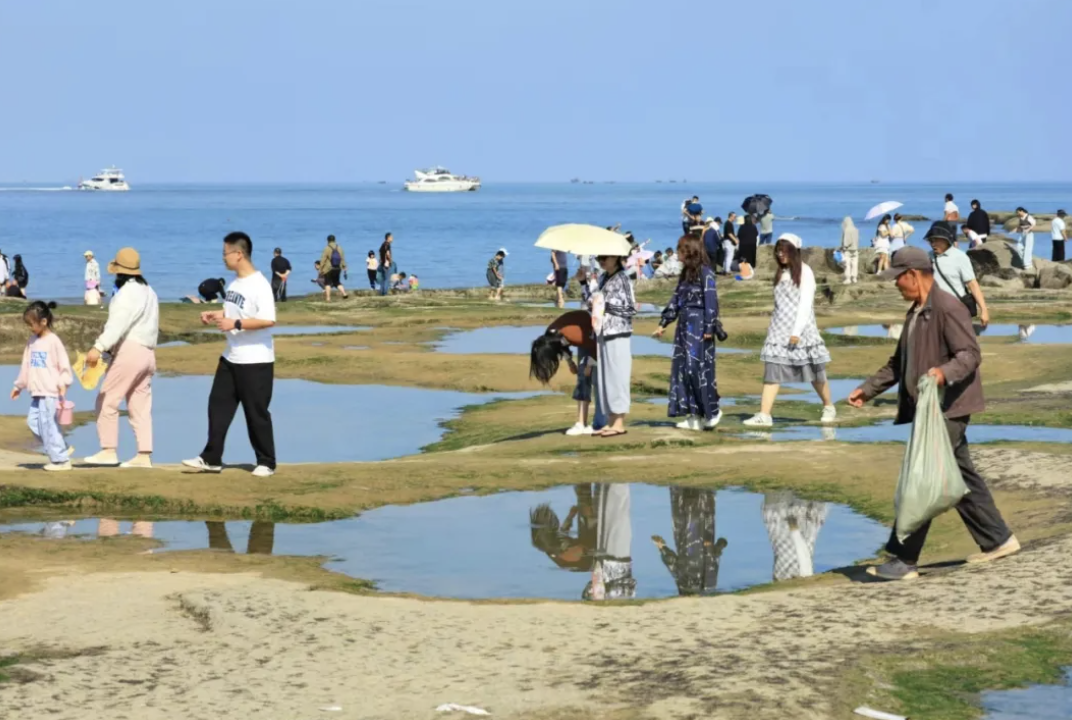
(250, 298)
(950, 207)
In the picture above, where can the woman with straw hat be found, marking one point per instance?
(130, 335)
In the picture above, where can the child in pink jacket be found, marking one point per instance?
(46, 374)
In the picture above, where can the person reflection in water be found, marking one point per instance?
(793, 527)
(612, 573)
(694, 566)
(261, 537)
(107, 527)
(568, 551)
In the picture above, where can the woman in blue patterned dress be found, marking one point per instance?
(693, 387)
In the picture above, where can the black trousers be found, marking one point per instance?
(372, 279)
(250, 385)
(279, 288)
(977, 509)
(1058, 250)
(261, 537)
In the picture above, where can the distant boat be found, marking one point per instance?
(575, 180)
(107, 180)
(440, 179)
(874, 182)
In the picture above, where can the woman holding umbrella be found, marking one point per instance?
(747, 241)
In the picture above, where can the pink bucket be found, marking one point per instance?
(65, 412)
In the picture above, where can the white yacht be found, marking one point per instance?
(110, 179)
(441, 180)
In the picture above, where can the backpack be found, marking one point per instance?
(336, 258)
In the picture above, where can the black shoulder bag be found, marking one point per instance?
(967, 298)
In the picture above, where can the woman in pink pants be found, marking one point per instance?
(130, 336)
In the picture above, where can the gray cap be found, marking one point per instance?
(906, 259)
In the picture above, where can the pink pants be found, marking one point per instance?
(129, 378)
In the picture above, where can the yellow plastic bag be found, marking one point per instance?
(930, 481)
(88, 376)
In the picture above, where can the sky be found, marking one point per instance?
(513, 90)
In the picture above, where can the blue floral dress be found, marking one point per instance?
(693, 387)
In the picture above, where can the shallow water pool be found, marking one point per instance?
(313, 422)
(546, 544)
(1039, 702)
(888, 432)
(518, 341)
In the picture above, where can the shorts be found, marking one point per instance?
(561, 277)
(494, 282)
(332, 278)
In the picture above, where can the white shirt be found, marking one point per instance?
(93, 271)
(1057, 228)
(3, 269)
(950, 207)
(250, 298)
(134, 315)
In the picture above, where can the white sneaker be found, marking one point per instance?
(713, 422)
(201, 466)
(759, 420)
(689, 423)
(578, 429)
(588, 430)
(58, 467)
(829, 414)
(263, 471)
(138, 461)
(104, 457)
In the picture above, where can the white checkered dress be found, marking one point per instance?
(808, 516)
(811, 350)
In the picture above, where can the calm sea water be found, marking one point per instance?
(445, 239)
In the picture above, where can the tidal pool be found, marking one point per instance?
(1039, 702)
(550, 544)
(518, 340)
(888, 432)
(1033, 334)
(313, 422)
(310, 329)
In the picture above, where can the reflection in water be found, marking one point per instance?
(1025, 331)
(572, 552)
(694, 566)
(612, 573)
(793, 527)
(894, 331)
(261, 537)
(107, 527)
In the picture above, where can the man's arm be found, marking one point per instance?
(960, 339)
(977, 293)
(886, 377)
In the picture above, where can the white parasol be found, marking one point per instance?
(583, 240)
(881, 209)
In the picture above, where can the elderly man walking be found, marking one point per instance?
(937, 340)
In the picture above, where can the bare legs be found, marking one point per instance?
(770, 393)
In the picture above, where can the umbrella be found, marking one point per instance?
(583, 240)
(881, 209)
(757, 204)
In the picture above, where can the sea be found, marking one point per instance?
(445, 239)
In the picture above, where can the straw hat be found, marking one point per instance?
(88, 254)
(127, 262)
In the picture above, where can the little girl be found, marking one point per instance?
(46, 373)
(881, 244)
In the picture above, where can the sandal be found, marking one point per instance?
(613, 434)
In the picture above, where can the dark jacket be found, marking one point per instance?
(943, 338)
(979, 222)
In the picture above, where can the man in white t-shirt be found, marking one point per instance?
(1058, 233)
(951, 213)
(246, 370)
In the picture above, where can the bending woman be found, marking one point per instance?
(570, 330)
(130, 335)
(794, 351)
(693, 386)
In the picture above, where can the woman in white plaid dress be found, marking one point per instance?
(794, 351)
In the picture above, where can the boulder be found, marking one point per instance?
(993, 257)
(916, 218)
(994, 281)
(1054, 276)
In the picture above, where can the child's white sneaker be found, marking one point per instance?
(761, 420)
(829, 414)
(713, 422)
(263, 471)
(690, 423)
(58, 467)
(579, 429)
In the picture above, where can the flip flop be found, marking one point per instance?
(615, 434)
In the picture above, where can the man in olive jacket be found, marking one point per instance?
(938, 340)
(333, 266)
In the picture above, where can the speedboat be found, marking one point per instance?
(110, 180)
(440, 179)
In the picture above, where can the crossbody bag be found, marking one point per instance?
(967, 298)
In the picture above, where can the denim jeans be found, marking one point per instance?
(599, 419)
(766, 238)
(385, 278)
(43, 424)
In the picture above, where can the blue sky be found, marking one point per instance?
(347, 90)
